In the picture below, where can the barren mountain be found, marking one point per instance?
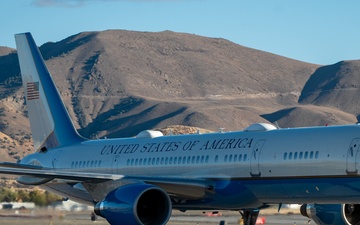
(117, 83)
(308, 115)
(169, 77)
(5, 50)
(336, 86)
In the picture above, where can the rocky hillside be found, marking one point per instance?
(336, 86)
(117, 83)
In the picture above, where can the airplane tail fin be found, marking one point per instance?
(50, 122)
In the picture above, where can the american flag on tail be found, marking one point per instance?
(32, 90)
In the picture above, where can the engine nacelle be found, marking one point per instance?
(332, 214)
(136, 204)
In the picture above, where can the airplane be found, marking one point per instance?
(141, 179)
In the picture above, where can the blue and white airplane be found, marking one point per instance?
(140, 180)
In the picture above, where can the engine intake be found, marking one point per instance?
(331, 214)
(139, 203)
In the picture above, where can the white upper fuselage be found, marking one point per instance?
(301, 152)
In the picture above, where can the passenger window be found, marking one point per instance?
(171, 160)
(230, 158)
(207, 159)
(235, 158)
(290, 155)
(136, 162)
(99, 163)
(295, 155)
(188, 159)
(216, 158)
(245, 157)
(166, 160)
(202, 159)
(197, 159)
(316, 154)
(225, 158)
(306, 155)
(193, 159)
(179, 160)
(300, 155)
(144, 162)
(285, 155)
(311, 154)
(240, 157)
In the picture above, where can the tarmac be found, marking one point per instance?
(44, 217)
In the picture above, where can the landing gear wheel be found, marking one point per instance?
(249, 216)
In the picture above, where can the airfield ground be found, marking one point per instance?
(45, 217)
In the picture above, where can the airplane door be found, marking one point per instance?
(114, 164)
(351, 156)
(255, 159)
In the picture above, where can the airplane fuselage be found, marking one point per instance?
(247, 169)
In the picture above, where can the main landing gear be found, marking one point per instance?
(249, 216)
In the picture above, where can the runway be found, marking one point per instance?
(232, 220)
(188, 218)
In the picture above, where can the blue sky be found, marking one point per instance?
(316, 31)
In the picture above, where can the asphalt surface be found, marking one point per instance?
(194, 218)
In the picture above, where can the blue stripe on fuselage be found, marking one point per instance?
(253, 193)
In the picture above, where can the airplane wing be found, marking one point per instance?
(41, 172)
(96, 183)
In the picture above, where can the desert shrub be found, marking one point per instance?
(7, 195)
(38, 197)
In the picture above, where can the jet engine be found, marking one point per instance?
(140, 204)
(332, 214)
